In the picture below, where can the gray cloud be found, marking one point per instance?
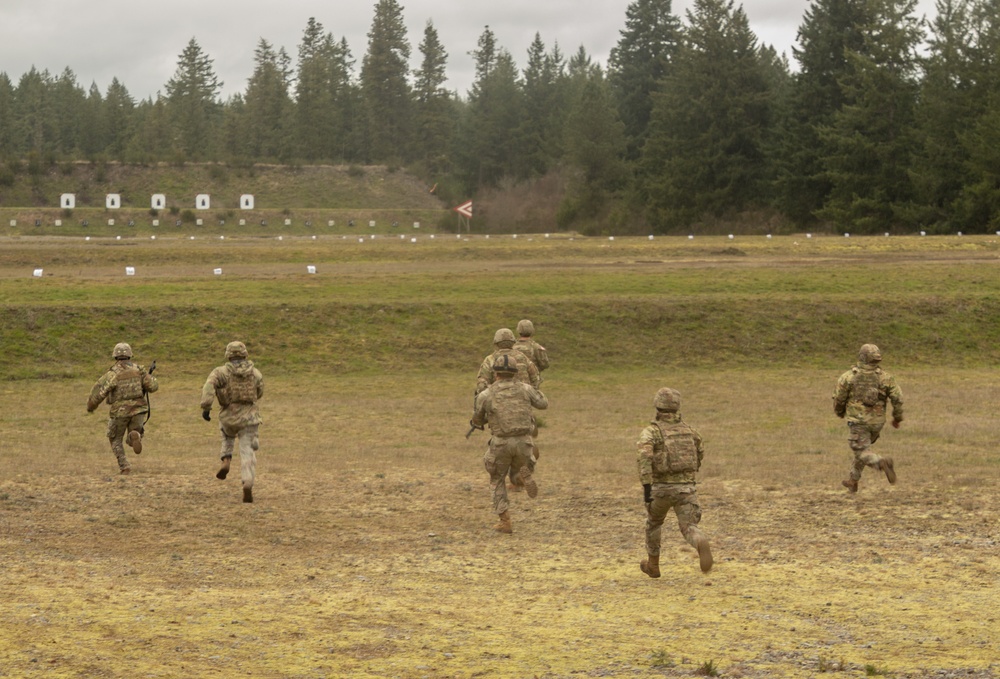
(139, 42)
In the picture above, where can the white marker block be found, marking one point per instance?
(432, 236)
(111, 222)
(191, 238)
(691, 237)
(402, 237)
(371, 224)
(13, 222)
(959, 233)
(153, 237)
(156, 222)
(217, 272)
(769, 236)
(731, 236)
(281, 238)
(112, 201)
(37, 273)
(416, 225)
(288, 222)
(243, 222)
(118, 237)
(546, 235)
(222, 238)
(129, 270)
(924, 233)
(515, 236)
(310, 269)
(86, 238)
(413, 240)
(158, 201)
(203, 201)
(650, 236)
(198, 222)
(58, 222)
(67, 201)
(331, 223)
(246, 201)
(361, 240)
(314, 237)
(487, 236)
(611, 237)
(847, 235)
(809, 235)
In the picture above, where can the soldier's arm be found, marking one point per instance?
(542, 356)
(99, 392)
(149, 383)
(644, 457)
(533, 376)
(260, 383)
(208, 391)
(699, 446)
(479, 417)
(896, 397)
(841, 394)
(485, 377)
(538, 399)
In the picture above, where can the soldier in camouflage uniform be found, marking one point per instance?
(503, 344)
(669, 456)
(124, 385)
(529, 347)
(237, 385)
(861, 396)
(506, 405)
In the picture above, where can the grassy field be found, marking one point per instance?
(369, 551)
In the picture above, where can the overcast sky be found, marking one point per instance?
(139, 42)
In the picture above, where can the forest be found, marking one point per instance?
(884, 120)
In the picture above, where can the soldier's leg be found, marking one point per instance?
(688, 512)
(116, 430)
(248, 460)
(860, 441)
(228, 442)
(524, 464)
(134, 436)
(497, 462)
(656, 512)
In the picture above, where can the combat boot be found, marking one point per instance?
(524, 476)
(850, 484)
(224, 470)
(135, 440)
(651, 566)
(885, 465)
(247, 494)
(126, 471)
(704, 553)
(504, 525)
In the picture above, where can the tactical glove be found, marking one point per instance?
(206, 415)
(895, 424)
(647, 493)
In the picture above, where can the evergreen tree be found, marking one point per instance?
(541, 128)
(385, 88)
(948, 106)
(92, 124)
(34, 120)
(68, 100)
(325, 98)
(829, 30)
(267, 106)
(596, 150)
(869, 145)
(192, 103)
(638, 63)
(435, 119)
(119, 108)
(488, 143)
(706, 153)
(7, 104)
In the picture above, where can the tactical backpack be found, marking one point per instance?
(674, 450)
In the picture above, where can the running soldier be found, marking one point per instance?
(861, 396)
(506, 405)
(529, 347)
(670, 454)
(237, 385)
(125, 386)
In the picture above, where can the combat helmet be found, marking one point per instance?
(236, 350)
(869, 353)
(505, 365)
(667, 399)
(525, 328)
(121, 351)
(504, 338)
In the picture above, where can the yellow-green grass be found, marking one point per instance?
(369, 549)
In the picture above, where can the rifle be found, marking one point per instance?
(149, 406)
(472, 429)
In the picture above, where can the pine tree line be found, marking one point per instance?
(887, 123)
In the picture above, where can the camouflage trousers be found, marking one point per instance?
(249, 443)
(117, 428)
(683, 498)
(507, 455)
(861, 439)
